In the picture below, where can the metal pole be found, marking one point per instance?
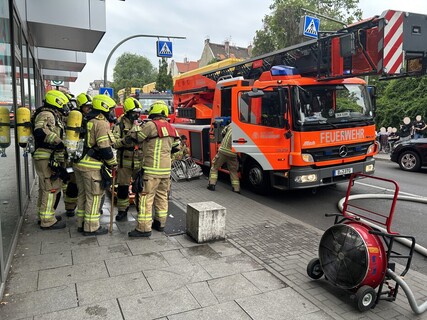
(128, 38)
(326, 17)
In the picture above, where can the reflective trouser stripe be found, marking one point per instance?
(49, 213)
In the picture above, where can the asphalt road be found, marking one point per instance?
(310, 206)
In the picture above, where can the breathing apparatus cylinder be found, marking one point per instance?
(4, 127)
(72, 133)
(23, 123)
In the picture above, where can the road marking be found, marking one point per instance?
(390, 190)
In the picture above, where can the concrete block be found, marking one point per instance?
(206, 221)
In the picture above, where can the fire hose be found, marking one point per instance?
(418, 309)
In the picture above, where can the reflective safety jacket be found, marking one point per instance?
(98, 145)
(48, 133)
(225, 147)
(128, 154)
(157, 137)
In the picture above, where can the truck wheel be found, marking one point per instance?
(256, 178)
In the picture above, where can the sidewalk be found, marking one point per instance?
(259, 272)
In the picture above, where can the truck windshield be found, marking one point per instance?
(333, 104)
(147, 101)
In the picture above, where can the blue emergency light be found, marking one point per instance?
(282, 70)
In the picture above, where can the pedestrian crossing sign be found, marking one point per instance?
(164, 49)
(107, 91)
(311, 27)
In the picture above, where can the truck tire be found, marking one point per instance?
(256, 178)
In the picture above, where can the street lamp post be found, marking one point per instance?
(128, 38)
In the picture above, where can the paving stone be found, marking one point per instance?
(23, 305)
(135, 263)
(35, 234)
(318, 315)
(203, 294)
(265, 305)
(174, 257)
(224, 248)
(90, 292)
(203, 253)
(232, 287)
(159, 245)
(229, 310)
(186, 241)
(106, 310)
(72, 274)
(86, 255)
(20, 282)
(157, 304)
(230, 265)
(176, 276)
(28, 249)
(264, 280)
(70, 244)
(40, 262)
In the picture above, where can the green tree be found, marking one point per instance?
(164, 80)
(401, 98)
(281, 27)
(132, 70)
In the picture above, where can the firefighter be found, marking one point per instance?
(83, 103)
(48, 134)
(97, 156)
(128, 155)
(225, 155)
(157, 137)
(184, 151)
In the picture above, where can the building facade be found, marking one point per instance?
(36, 45)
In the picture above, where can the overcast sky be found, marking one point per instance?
(218, 20)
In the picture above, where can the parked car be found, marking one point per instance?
(411, 155)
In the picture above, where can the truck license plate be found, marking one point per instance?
(341, 172)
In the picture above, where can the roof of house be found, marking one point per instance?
(220, 53)
(186, 66)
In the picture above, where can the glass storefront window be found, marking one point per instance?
(9, 199)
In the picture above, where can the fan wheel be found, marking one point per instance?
(343, 256)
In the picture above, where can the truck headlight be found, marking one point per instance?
(306, 178)
(306, 157)
(369, 168)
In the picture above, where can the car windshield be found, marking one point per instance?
(333, 104)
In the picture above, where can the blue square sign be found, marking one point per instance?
(164, 49)
(107, 91)
(311, 27)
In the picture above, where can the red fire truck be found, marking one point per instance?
(302, 117)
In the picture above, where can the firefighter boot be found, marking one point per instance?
(157, 226)
(138, 234)
(55, 226)
(122, 215)
(100, 231)
(211, 187)
(69, 213)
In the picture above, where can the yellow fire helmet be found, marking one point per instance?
(132, 104)
(103, 103)
(159, 107)
(56, 99)
(83, 99)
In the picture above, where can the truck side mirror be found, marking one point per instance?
(372, 90)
